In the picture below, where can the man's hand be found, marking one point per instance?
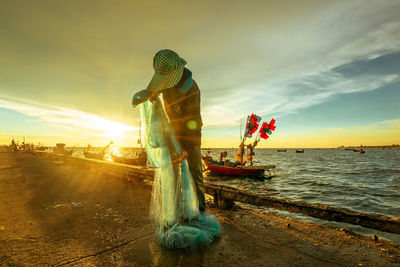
(153, 95)
(181, 158)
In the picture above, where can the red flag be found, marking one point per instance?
(272, 126)
(264, 135)
(267, 129)
(252, 124)
(263, 131)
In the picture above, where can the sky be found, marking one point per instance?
(327, 71)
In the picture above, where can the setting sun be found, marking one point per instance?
(115, 133)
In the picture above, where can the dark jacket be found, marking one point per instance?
(182, 103)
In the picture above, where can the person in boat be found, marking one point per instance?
(239, 155)
(182, 104)
(208, 158)
(250, 153)
(222, 156)
(142, 155)
(89, 147)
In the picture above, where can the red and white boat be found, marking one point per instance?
(240, 169)
(251, 171)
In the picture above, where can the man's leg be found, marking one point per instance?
(194, 160)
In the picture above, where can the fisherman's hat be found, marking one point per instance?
(168, 69)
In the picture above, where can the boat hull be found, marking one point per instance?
(129, 161)
(94, 155)
(62, 151)
(235, 171)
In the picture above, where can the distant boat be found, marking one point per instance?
(361, 151)
(141, 160)
(100, 155)
(60, 149)
(91, 155)
(299, 151)
(282, 150)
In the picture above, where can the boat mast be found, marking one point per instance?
(241, 121)
(244, 135)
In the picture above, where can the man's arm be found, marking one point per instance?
(190, 133)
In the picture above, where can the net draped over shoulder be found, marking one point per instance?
(174, 206)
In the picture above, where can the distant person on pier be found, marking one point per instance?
(13, 146)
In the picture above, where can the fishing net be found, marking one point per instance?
(174, 205)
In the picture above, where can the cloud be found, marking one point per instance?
(269, 57)
(291, 96)
(71, 119)
(307, 76)
(377, 128)
(387, 126)
(334, 129)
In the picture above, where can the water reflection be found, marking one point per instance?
(126, 152)
(114, 150)
(162, 256)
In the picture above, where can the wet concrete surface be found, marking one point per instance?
(60, 215)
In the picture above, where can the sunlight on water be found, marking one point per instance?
(126, 152)
(114, 150)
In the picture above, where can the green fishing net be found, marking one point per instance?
(174, 205)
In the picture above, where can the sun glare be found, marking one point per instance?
(115, 133)
(111, 129)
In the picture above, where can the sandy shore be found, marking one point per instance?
(55, 214)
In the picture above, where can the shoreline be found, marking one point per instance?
(224, 195)
(56, 213)
(357, 229)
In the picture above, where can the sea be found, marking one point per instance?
(368, 183)
(341, 178)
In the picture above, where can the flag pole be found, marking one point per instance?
(244, 136)
(241, 121)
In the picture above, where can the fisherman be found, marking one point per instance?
(239, 155)
(222, 156)
(181, 97)
(250, 153)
